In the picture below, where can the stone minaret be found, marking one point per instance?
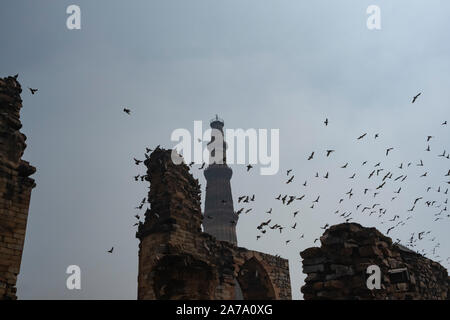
(220, 219)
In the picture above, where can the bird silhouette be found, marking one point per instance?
(33, 91)
(362, 136)
(415, 97)
(127, 111)
(111, 250)
(388, 150)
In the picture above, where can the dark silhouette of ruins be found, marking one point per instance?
(338, 269)
(15, 187)
(179, 261)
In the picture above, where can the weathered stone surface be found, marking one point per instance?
(179, 261)
(337, 270)
(15, 186)
(313, 252)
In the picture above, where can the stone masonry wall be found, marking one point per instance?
(15, 187)
(338, 269)
(179, 261)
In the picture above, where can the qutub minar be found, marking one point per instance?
(220, 219)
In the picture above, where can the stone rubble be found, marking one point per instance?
(338, 269)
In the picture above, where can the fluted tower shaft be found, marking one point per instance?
(220, 219)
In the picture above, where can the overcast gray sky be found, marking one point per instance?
(285, 65)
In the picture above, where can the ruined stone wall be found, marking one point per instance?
(179, 261)
(15, 187)
(338, 269)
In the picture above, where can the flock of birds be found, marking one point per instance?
(382, 177)
(383, 180)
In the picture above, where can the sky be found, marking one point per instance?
(284, 65)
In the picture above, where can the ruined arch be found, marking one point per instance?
(182, 277)
(255, 282)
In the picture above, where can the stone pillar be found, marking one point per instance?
(15, 187)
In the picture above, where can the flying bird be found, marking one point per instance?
(387, 151)
(112, 249)
(311, 156)
(362, 136)
(127, 111)
(329, 152)
(33, 91)
(415, 97)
